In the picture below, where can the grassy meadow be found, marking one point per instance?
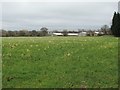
(60, 62)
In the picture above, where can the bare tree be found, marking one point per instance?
(44, 31)
(105, 29)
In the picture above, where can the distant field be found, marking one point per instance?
(60, 62)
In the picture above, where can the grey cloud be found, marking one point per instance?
(57, 15)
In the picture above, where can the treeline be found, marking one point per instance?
(43, 32)
(115, 28)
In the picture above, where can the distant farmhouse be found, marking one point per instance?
(57, 34)
(77, 33)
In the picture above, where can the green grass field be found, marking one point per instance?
(60, 62)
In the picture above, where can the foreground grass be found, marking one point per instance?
(60, 62)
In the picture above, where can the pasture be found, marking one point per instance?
(60, 62)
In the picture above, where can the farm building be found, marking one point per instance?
(83, 33)
(70, 34)
(58, 34)
(96, 33)
(73, 34)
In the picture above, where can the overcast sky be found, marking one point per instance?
(57, 15)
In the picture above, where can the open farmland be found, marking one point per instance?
(57, 62)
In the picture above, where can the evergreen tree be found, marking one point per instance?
(115, 28)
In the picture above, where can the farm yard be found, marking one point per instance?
(60, 62)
